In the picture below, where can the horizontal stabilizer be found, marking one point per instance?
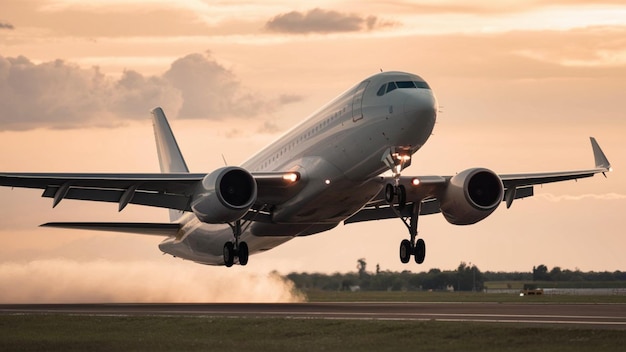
(141, 228)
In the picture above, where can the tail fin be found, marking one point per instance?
(170, 158)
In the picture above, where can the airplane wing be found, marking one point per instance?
(165, 190)
(426, 189)
(153, 229)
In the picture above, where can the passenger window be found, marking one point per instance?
(391, 86)
(381, 91)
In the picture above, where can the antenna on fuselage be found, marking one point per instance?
(224, 158)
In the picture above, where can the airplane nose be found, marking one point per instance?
(420, 103)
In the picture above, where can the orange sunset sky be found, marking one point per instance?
(521, 85)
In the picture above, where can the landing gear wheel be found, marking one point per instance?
(389, 193)
(401, 191)
(420, 251)
(405, 251)
(229, 254)
(243, 253)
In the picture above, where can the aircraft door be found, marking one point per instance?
(357, 101)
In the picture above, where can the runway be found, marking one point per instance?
(611, 316)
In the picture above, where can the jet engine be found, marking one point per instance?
(225, 195)
(471, 196)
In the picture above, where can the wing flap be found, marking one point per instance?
(169, 201)
(141, 228)
(156, 182)
(429, 206)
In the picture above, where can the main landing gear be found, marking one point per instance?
(398, 158)
(237, 249)
(414, 247)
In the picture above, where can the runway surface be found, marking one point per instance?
(590, 315)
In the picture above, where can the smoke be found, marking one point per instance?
(67, 281)
(606, 196)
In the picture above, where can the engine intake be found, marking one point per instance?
(471, 196)
(225, 195)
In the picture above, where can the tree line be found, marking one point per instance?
(466, 277)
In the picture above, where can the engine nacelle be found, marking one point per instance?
(225, 195)
(471, 196)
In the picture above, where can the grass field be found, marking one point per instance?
(181, 333)
(152, 333)
(518, 285)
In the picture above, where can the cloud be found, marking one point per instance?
(323, 21)
(67, 281)
(58, 94)
(209, 90)
(269, 127)
(4, 25)
(285, 99)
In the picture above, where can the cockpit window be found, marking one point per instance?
(381, 91)
(406, 84)
(388, 87)
(391, 86)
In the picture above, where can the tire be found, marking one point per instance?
(389, 193)
(420, 251)
(243, 253)
(405, 251)
(401, 197)
(229, 254)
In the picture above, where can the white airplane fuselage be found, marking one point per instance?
(339, 149)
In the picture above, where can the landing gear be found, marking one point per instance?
(405, 251)
(243, 253)
(398, 158)
(399, 191)
(420, 251)
(236, 249)
(229, 254)
(412, 247)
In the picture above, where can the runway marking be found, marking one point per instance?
(361, 316)
(573, 322)
(610, 317)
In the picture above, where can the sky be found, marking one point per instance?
(521, 86)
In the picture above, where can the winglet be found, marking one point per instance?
(170, 157)
(600, 159)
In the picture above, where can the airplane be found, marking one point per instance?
(330, 169)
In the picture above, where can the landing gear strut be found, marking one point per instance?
(398, 158)
(412, 246)
(236, 249)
